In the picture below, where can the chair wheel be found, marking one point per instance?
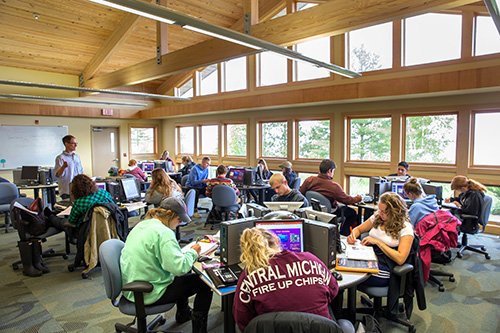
(85, 276)
(487, 256)
(71, 268)
(65, 257)
(483, 248)
(452, 279)
(15, 267)
(459, 255)
(441, 289)
(412, 329)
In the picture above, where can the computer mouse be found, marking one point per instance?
(337, 275)
(203, 258)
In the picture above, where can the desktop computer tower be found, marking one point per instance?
(230, 233)
(321, 240)
(115, 189)
(380, 188)
(256, 209)
(46, 176)
(249, 176)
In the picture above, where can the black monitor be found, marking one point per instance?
(161, 164)
(130, 189)
(29, 173)
(434, 189)
(237, 175)
(290, 233)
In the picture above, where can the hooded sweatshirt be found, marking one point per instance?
(421, 207)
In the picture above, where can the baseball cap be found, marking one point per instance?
(176, 205)
(285, 164)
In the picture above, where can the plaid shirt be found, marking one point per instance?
(81, 205)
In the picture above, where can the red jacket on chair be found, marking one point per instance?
(437, 231)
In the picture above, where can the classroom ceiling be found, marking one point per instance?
(79, 36)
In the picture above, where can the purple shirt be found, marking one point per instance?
(293, 281)
(137, 173)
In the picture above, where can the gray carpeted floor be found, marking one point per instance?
(61, 301)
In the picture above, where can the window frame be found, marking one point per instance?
(197, 78)
(199, 143)
(178, 140)
(223, 76)
(225, 154)
(155, 144)
(260, 136)
(347, 146)
(178, 87)
(471, 164)
(296, 148)
(405, 115)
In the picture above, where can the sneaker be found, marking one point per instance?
(196, 215)
(183, 316)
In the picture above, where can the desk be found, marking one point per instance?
(261, 191)
(365, 207)
(48, 193)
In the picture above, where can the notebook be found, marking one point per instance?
(352, 265)
(205, 247)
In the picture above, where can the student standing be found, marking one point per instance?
(67, 166)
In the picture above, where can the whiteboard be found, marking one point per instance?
(30, 145)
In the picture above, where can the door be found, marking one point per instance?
(105, 150)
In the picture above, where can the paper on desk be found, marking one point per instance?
(360, 252)
(18, 205)
(205, 247)
(65, 212)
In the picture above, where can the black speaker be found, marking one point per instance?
(321, 240)
(230, 233)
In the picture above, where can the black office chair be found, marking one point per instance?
(296, 322)
(109, 254)
(470, 225)
(189, 200)
(8, 192)
(30, 249)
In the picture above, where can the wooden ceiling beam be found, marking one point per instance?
(332, 18)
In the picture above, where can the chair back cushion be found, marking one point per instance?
(184, 180)
(321, 198)
(223, 196)
(8, 192)
(485, 211)
(189, 199)
(291, 322)
(109, 255)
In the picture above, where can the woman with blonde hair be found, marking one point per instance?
(422, 204)
(470, 197)
(152, 254)
(391, 234)
(162, 186)
(279, 280)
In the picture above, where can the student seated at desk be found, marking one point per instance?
(402, 170)
(188, 164)
(134, 170)
(161, 187)
(276, 280)
(220, 180)
(152, 254)
(391, 233)
(422, 205)
(283, 192)
(85, 194)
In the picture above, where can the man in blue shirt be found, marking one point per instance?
(197, 179)
(67, 166)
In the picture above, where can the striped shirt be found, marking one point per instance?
(220, 180)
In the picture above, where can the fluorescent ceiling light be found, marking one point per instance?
(71, 100)
(84, 89)
(160, 13)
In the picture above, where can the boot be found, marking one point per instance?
(183, 313)
(199, 322)
(37, 258)
(26, 254)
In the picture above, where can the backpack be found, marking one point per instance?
(33, 223)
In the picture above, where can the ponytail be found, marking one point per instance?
(475, 185)
(413, 186)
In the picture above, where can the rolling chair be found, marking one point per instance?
(8, 192)
(377, 293)
(313, 195)
(109, 254)
(224, 199)
(470, 220)
(189, 200)
(292, 322)
(30, 249)
(185, 189)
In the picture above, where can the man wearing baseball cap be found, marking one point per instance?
(290, 175)
(152, 254)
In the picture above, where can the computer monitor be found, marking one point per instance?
(29, 173)
(101, 185)
(290, 206)
(169, 166)
(148, 166)
(130, 189)
(290, 233)
(161, 164)
(237, 175)
(397, 187)
(434, 189)
(320, 216)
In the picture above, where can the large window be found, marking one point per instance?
(185, 90)
(432, 37)
(370, 48)
(359, 185)
(234, 74)
(487, 39)
(431, 139)
(186, 140)
(314, 139)
(236, 138)
(208, 80)
(486, 150)
(209, 140)
(494, 192)
(272, 69)
(370, 139)
(274, 139)
(143, 140)
(318, 49)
